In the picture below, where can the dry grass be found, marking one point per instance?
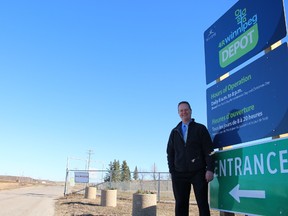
(12, 185)
(12, 182)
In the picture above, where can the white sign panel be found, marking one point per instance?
(82, 177)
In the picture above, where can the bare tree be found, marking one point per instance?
(142, 175)
(154, 175)
(154, 172)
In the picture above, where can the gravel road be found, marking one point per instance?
(30, 201)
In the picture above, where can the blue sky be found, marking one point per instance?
(100, 75)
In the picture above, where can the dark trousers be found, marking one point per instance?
(181, 183)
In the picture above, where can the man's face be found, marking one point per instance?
(184, 112)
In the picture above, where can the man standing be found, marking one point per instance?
(190, 157)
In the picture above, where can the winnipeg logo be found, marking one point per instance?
(240, 41)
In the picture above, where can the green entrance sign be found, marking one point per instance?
(252, 179)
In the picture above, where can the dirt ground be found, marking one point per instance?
(77, 205)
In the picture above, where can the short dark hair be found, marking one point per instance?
(184, 102)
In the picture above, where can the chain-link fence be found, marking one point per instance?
(155, 182)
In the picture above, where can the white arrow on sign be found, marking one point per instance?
(236, 193)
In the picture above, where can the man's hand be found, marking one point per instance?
(209, 176)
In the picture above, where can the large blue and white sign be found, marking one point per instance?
(252, 103)
(242, 32)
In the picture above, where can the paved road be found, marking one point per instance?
(29, 201)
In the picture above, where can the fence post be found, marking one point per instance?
(159, 182)
(66, 179)
(110, 182)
